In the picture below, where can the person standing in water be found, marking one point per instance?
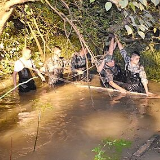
(23, 68)
(110, 72)
(54, 67)
(79, 65)
(135, 74)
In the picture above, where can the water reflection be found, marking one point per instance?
(69, 125)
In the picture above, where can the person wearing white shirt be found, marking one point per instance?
(22, 67)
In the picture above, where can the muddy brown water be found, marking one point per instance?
(73, 121)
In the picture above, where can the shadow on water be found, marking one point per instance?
(70, 125)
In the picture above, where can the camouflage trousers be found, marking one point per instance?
(55, 77)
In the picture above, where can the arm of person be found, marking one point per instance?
(14, 79)
(123, 52)
(145, 87)
(100, 67)
(114, 85)
(111, 47)
(39, 74)
(37, 71)
(144, 80)
(18, 66)
(120, 46)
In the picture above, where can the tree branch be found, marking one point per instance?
(7, 9)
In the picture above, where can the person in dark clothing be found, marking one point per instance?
(110, 73)
(79, 65)
(136, 79)
(23, 68)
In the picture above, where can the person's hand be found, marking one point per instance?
(123, 90)
(149, 94)
(79, 71)
(43, 78)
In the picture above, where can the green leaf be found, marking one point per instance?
(154, 30)
(135, 4)
(141, 21)
(108, 6)
(141, 6)
(91, 1)
(123, 3)
(144, 2)
(142, 27)
(129, 29)
(148, 24)
(133, 21)
(133, 7)
(125, 13)
(156, 2)
(141, 34)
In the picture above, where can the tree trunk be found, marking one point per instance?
(6, 9)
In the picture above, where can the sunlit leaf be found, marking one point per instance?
(123, 3)
(141, 21)
(144, 2)
(108, 6)
(141, 34)
(133, 7)
(141, 7)
(142, 27)
(148, 24)
(156, 2)
(92, 1)
(135, 4)
(1, 45)
(129, 29)
(133, 21)
(149, 16)
(154, 30)
(125, 13)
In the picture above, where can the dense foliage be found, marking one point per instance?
(41, 27)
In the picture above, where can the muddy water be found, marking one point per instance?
(72, 121)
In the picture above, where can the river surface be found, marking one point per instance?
(68, 121)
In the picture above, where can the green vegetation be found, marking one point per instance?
(69, 23)
(110, 149)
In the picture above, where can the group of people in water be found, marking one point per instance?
(132, 79)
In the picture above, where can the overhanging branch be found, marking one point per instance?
(7, 9)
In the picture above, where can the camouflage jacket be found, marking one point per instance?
(134, 69)
(52, 64)
(78, 62)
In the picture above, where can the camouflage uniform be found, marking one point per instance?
(79, 63)
(135, 75)
(54, 68)
(111, 74)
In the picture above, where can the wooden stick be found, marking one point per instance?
(11, 150)
(142, 149)
(39, 118)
